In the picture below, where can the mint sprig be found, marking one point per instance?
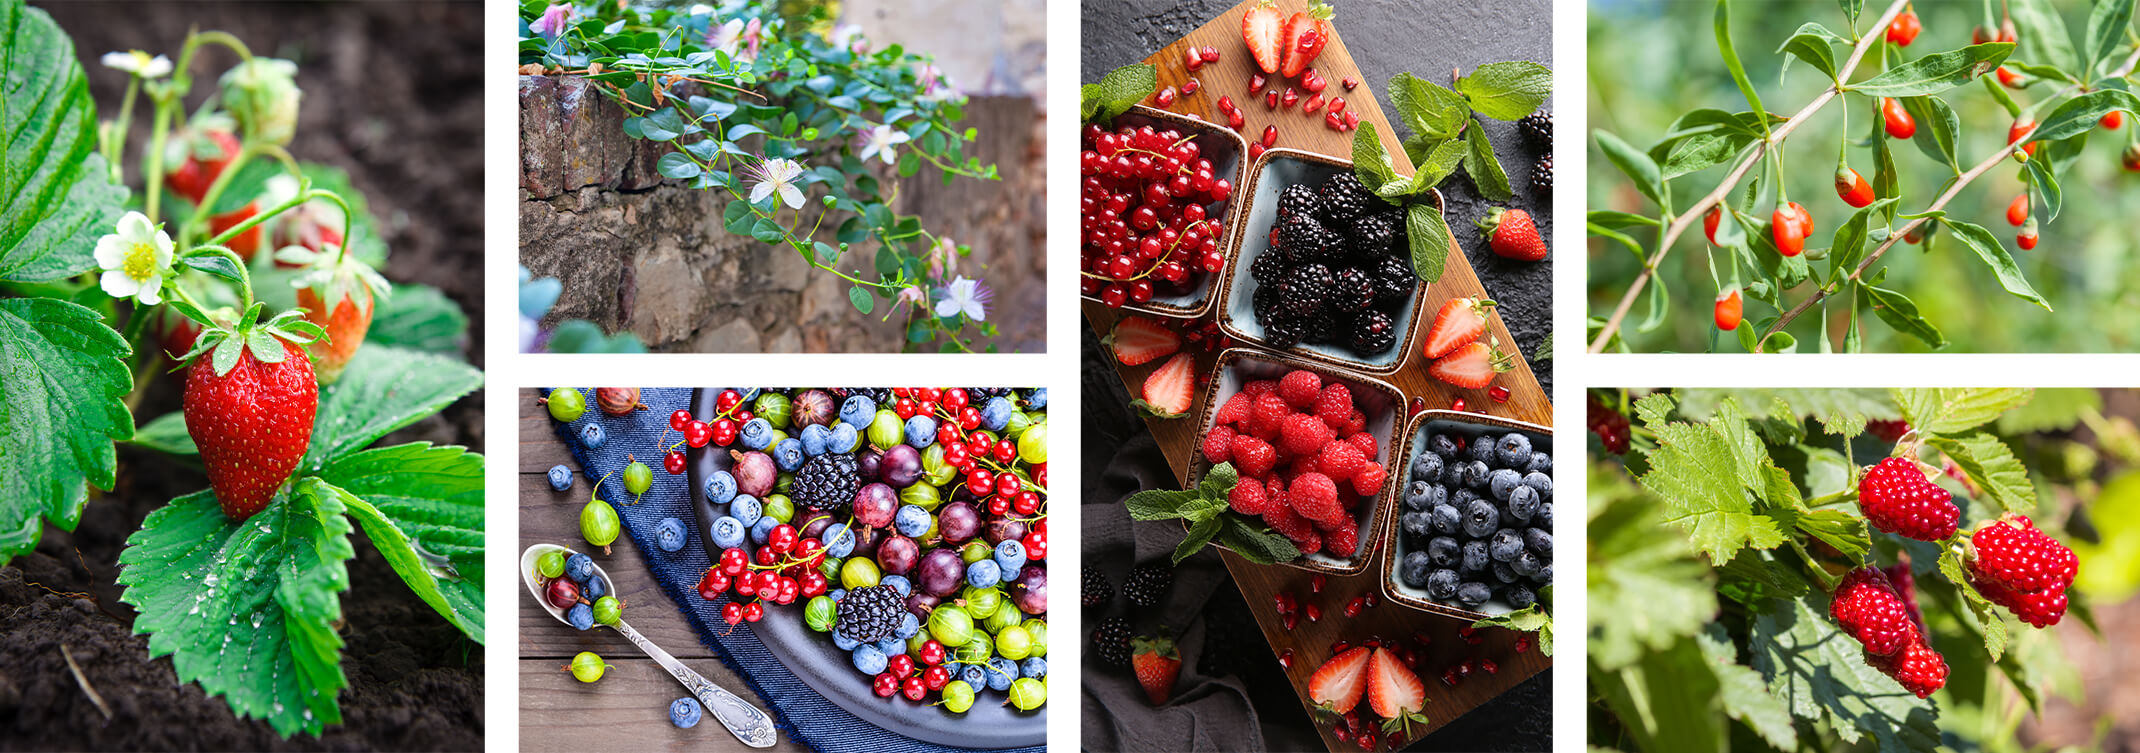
(1206, 509)
(1121, 89)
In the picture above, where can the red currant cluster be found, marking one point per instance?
(783, 570)
(902, 677)
(729, 418)
(987, 464)
(1147, 227)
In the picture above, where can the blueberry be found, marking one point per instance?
(996, 414)
(594, 589)
(1481, 449)
(839, 541)
(983, 574)
(1427, 467)
(1010, 556)
(908, 627)
(1414, 569)
(1474, 557)
(891, 646)
(592, 436)
(1446, 519)
(1463, 498)
(1520, 597)
(1500, 481)
(560, 477)
(1540, 541)
(975, 676)
(763, 528)
(788, 454)
(1035, 667)
(1545, 574)
(1522, 503)
(1504, 573)
(746, 509)
(814, 438)
(844, 439)
(1001, 672)
(1512, 450)
(921, 431)
(669, 534)
(728, 532)
(912, 521)
(1417, 523)
(685, 713)
(1441, 584)
(1481, 519)
(749, 394)
(1540, 462)
(581, 616)
(1506, 544)
(1544, 517)
(1476, 474)
(844, 643)
(1037, 399)
(1473, 593)
(858, 411)
(579, 567)
(898, 583)
(756, 434)
(1525, 563)
(1424, 495)
(1441, 444)
(836, 595)
(1444, 551)
(1541, 482)
(720, 487)
(868, 660)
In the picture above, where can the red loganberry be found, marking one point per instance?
(2039, 608)
(1898, 499)
(1867, 607)
(2013, 552)
(1917, 667)
(1899, 123)
(1904, 29)
(1852, 187)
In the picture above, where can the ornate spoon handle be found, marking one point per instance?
(749, 724)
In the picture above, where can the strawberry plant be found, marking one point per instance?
(1868, 79)
(1831, 569)
(253, 276)
(773, 107)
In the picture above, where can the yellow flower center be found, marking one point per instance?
(140, 263)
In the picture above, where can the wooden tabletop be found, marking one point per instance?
(631, 701)
(1310, 642)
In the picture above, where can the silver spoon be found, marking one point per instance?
(749, 724)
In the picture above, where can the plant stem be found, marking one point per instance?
(159, 130)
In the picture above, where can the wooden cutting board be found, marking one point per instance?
(1310, 641)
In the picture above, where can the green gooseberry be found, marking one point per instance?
(1012, 643)
(785, 483)
(1037, 629)
(1020, 421)
(1033, 447)
(886, 430)
(933, 468)
(821, 613)
(1003, 617)
(915, 642)
(921, 494)
(588, 667)
(830, 568)
(777, 435)
(977, 650)
(565, 404)
(859, 572)
(598, 522)
(774, 408)
(608, 610)
(779, 507)
(551, 563)
(981, 602)
(975, 551)
(952, 627)
(1027, 694)
(958, 697)
(638, 477)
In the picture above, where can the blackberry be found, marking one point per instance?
(1394, 282)
(1538, 127)
(1264, 302)
(1375, 235)
(983, 394)
(1267, 266)
(1282, 334)
(1344, 198)
(1110, 642)
(1146, 584)
(871, 614)
(828, 482)
(1097, 590)
(1542, 176)
(1298, 201)
(1302, 291)
(1373, 333)
(1306, 238)
(1351, 291)
(1321, 329)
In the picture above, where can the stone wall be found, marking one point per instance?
(640, 253)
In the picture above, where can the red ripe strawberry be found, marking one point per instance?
(1300, 387)
(1729, 309)
(1253, 457)
(1852, 187)
(1138, 341)
(1262, 29)
(207, 151)
(250, 410)
(1337, 685)
(1218, 444)
(246, 243)
(1899, 123)
(1169, 390)
(1460, 322)
(1472, 366)
(1867, 607)
(1898, 499)
(1904, 29)
(1917, 667)
(1513, 235)
(1710, 220)
(1314, 496)
(1303, 38)
(1157, 664)
(2017, 212)
(1395, 693)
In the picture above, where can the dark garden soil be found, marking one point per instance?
(393, 96)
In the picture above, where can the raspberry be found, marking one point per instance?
(1259, 388)
(2039, 608)
(1314, 496)
(1274, 490)
(1906, 587)
(1344, 540)
(2014, 553)
(1920, 669)
(1354, 424)
(1236, 409)
(1294, 527)
(1269, 415)
(1898, 499)
(1341, 460)
(1867, 607)
(1368, 482)
(1253, 457)
(1218, 444)
(1333, 405)
(1248, 498)
(1300, 465)
(1303, 434)
(1365, 442)
(1300, 387)
(1888, 431)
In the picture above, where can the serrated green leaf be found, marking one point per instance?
(1703, 472)
(1644, 591)
(383, 389)
(247, 610)
(56, 193)
(1821, 675)
(1431, 110)
(1956, 410)
(422, 507)
(167, 434)
(1935, 73)
(1742, 691)
(1991, 465)
(63, 386)
(1667, 700)
(1199, 534)
(1254, 542)
(1218, 481)
(1428, 234)
(418, 317)
(1158, 504)
(1983, 617)
(1507, 91)
(1123, 88)
(1988, 248)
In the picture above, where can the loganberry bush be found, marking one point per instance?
(770, 104)
(1844, 569)
(250, 279)
(1910, 133)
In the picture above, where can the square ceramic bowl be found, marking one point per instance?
(1470, 426)
(1277, 169)
(1227, 152)
(1381, 403)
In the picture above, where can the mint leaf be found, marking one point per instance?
(1484, 166)
(1370, 162)
(1122, 88)
(1219, 481)
(248, 610)
(1991, 465)
(1955, 410)
(382, 390)
(418, 317)
(1821, 674)
(56, 194)
(422, 506)
(1199, 535)
(1158, 504)
(1254, 542)
(1429, 109)
(1436, 160)
(1429, 239)
(1507, 91)
(63, 385)
(166, 434)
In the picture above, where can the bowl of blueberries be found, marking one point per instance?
(1473, 533)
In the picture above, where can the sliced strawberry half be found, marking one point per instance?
(1472, 366)
(1336, 686)
(1169, 390)
(1395, 693)
(1460, 322)
(1263, 30)
(1303, 38)
(1138, 341)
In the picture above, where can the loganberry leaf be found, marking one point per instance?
(248, 610)
(1935, 73)
(1993, 252)
(1668, 699)
(63, 385)
(1956, 410)
(1703, 473)
(2053, 409)
(1821, 674)
(422, 506)
(383, 389)
(1645, 591)
(1744, 695)
(1991, 465)
(1983, 617)
(56, 193)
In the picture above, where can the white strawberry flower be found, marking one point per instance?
(138, 63)
(777, 176)
(881, 142)
(135, 259)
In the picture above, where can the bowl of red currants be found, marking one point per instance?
(1156, 192)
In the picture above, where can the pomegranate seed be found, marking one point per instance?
(1523, 643)
(1312, 81)
(1343, 735)
(1165, 97)
(1291, 96)
(1459, 405)
(1315, 102)
(1339, 647)
(1464, 669)
(1189, 86)
(1352, 608)
(1410, 657)
(1474, 639)
(1490, 667)
(1349, 83)
(1333, 122)
(1466, 632)
(1352, 121)
(1417, 405)
(1285, 658)
(1270, 139)
(1284, 601)
(1498, 393)
(1314, 612)
(1211, 54)
(1191, 60)
(1270, 99)
(1372, 600)
(1337, 104)
(1256, 82)
(1233, 121)
(1420, 637)
(1254, 151)
(1373, 641)
(1315, 584)
(1449, 677)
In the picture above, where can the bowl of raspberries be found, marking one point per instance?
(1324, 267)
(1156, 194)
(1313, 447)
(1472, 533)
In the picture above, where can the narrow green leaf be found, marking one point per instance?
(1484, 166)
(1722, 23)
(2042, 33)
(1634, 163)
(2046, 182)
(1988, 248)
(1814, 44)
(1901, 313)
(1935, 73)
(2108, 24)
(2080, 114)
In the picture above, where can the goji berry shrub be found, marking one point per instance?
(1810, 569)
(771, 107)
(253, 277)
(2016, 104)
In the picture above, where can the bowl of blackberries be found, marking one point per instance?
(1324, 267)
(1155, 197)
(1473, 533)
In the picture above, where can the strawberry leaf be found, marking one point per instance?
(1821, 674)
(248, 610)
(422, 506)
(63, 383)
(419, 317)
(56, 195)
(383, 389)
